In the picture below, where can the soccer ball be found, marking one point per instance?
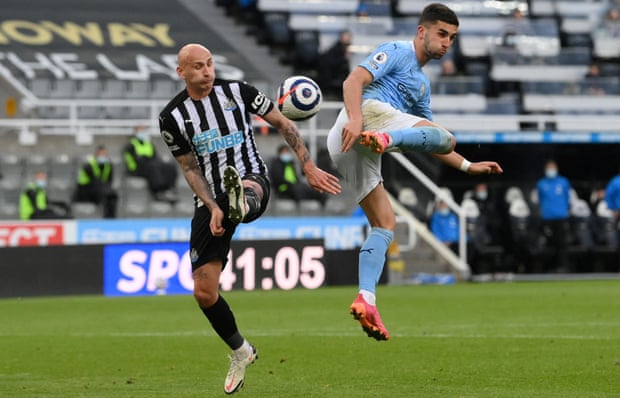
(299, 97)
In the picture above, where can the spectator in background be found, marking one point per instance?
(596, 196)
(34, 204)
(141, 160)
(334, 66)
(489, 212)
(509, 50)
(517, 25)
(612, 195)
(287, 182)
(610, 23)
(94, 183)
(554, 206)
(594, 70)
(592, 83)
(444, 225)
(362, 9)
(448, 67)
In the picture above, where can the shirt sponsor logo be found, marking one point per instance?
(407, 97)
(210, 141)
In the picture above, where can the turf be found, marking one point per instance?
(535, 339)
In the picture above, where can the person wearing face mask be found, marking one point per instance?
(34, 204)
(94, 182)
(489, 211)
(444, 225)
(554, 208)
(286, 181)
(141, 160)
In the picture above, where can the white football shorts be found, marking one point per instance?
(360, 167)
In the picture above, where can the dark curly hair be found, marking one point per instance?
(435, 12)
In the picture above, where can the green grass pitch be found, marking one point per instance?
(521, 339)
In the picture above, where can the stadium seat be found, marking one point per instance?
(484, 255)
(305, 59)
(133, 208)
(606, 240)
(325, 7)
(309, 207)
(135, 186)
(9, 211)
(374, 8)
(62, 165)
(137, 89)
(53, 112)
(158, 209)
(283, 207)
(34, 163)
(61, 189)
(81, 210)
(91, 112)
(41, 87)
(113, 89)
(63, 89)
(163, 89)
(503, 105)
(183, 209)
(527, 244)
(61, 176)
(513, 193)
(11, 167)
(138, 112)
(408, 197)
(581, 240)
(277, 33)
(88, 89)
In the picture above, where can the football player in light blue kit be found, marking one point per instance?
(386, 108)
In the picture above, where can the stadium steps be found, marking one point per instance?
(423, 259)
(234, 35)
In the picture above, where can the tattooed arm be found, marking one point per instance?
(317, 178)
(200, 186)
(289, 131)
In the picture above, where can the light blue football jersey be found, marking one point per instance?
(398, 79)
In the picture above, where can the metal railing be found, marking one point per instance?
(85, 129)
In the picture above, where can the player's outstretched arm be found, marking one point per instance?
(456, 160)
(318, 179)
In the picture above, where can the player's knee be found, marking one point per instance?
(386, 221)
(445, 141)
(204, 297)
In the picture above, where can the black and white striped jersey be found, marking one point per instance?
(217, 129)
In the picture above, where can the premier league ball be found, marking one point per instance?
(299, 97)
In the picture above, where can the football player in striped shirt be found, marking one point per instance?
(208, 129)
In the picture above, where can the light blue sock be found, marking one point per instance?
(423, 139)
(372, 257)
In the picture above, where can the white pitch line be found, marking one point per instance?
(322, 333)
